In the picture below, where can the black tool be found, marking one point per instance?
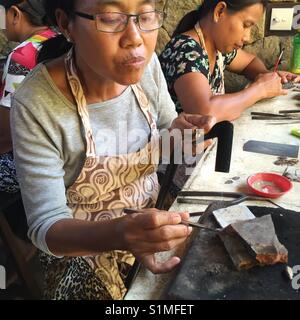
(224, 132)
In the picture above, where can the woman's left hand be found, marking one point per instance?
(288, 76)
(195, 122)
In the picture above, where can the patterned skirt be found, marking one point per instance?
(8, 176)
(74, 279)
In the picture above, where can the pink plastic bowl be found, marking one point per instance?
(269, 185)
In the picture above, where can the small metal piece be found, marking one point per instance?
(265, 114)
(288, 85)
(289, 111)
(288, 273)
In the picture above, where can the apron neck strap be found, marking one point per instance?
(78, 94)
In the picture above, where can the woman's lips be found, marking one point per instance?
(238, 46)
(134, 62)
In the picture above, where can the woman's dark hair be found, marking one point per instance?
(57, 46)
(189, 20)
(34, 9)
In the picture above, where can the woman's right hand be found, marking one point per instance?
(269, 85)
(151, 231)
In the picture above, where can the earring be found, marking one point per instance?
(68, 38)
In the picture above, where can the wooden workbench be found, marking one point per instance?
(204, 178)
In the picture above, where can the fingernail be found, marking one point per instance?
(176, 218)
(190, 230)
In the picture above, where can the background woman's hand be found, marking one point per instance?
(288, 76)
(151, 231)
(269, 85)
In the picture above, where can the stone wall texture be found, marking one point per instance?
(267, 48)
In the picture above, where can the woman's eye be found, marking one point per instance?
(247, 25)
(147, 17)
(110, 20)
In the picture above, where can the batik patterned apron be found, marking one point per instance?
(107, 185)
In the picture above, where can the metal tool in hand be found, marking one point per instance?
(184, 222)
(193, 197)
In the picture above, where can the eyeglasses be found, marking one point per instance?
(112, 22)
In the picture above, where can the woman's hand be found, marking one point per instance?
(151, 231)
(269, 85)
(288, 76)
(195, 122)
(159, 267)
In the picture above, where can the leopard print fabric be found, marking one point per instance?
(73, 279)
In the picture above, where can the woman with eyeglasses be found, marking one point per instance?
(86, 145)
(24, 24)
(207, 41)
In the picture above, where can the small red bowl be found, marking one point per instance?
(269, 185)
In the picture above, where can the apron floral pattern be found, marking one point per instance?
(105, 186)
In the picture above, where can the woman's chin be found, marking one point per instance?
(128, 80)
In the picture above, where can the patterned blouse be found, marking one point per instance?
(183, 55)
(19, 63)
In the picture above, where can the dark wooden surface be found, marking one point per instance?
(207, 271)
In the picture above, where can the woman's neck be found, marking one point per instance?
(206, 29)
(31, 31)
(96, 88)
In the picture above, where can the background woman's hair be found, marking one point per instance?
(189, 20)
(33, 9)
(57, 46)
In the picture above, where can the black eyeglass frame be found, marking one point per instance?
(136, 16)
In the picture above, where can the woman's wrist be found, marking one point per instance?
(257, 91)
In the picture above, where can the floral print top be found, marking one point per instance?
(183, 55)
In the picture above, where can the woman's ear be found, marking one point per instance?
(63, 23)
(16, 14)
(219, 11)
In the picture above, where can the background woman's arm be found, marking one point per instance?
(194, 93)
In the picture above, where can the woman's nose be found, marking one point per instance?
(132, 34)
(247, 36)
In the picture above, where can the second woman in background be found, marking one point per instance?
(206, 42)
